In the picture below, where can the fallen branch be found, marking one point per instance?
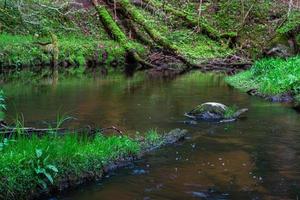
(9, 131)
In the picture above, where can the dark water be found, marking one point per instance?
(254, 158)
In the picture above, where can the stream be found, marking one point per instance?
(254, 158)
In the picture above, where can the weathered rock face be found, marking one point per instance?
(214, 111)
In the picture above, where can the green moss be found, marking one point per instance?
(190, 19)
(20, 51)
(111, 25)
(189, 43)
(270, 76)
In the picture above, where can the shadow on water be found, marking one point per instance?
(253, 158)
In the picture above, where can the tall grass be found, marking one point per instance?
(270, 76)
(34, 164)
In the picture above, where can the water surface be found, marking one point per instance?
(254, 158)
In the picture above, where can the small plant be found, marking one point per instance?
(43, 170)
(153, 137)
(5, 143)
(230, 111)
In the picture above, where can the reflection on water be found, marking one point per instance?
(254, 158)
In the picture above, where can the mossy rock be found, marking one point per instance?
(215, 111)
(212, 107)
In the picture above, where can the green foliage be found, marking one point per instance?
(39, 162)
(21, 51)
(152, 137)
(6, 142)
(189, 43)
(18, 50)
(196, 46)
(230, 111)
(44, 171)
(291, 24)
(40, 17)
(270, 76)
(110, 23)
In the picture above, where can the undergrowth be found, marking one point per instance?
(22, 50)
(35, 164)
(193, 45)
(270, 76)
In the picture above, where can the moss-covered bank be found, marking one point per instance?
(30, 167)
(275, 79)
(76, 54)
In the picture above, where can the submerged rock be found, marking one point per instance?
(215, 111)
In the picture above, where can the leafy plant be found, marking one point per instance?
(42, 169)
(6, 142)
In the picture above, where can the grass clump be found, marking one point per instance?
(153, 138)
(270, 76)
(30, 165)
(230, 111)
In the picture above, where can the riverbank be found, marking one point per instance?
(274, 79)
(77, 55)
(36, 166)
